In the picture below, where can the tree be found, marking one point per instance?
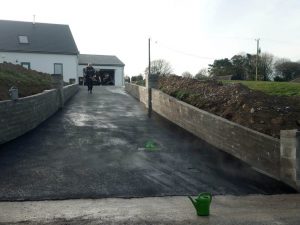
(244, 66)
(265, 67)
(239, 63)
(160, 67)
(136, 78)
(286, 70)
(220, 67)
(202, 74)
(187, 74)
(250, 66)
(127, 79)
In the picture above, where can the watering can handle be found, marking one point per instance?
(207, 193)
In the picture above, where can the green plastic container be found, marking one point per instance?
(202, 203)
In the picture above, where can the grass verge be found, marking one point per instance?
(270, 87)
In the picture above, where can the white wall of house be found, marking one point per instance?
(45, 62)
(119, 73)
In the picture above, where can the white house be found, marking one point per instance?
(48, 48)
(105, 65)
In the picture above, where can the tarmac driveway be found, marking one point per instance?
(104, 145)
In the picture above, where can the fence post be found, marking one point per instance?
(58, 84)
(290, 157)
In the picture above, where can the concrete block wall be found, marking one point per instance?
(256, 149)
(20, 116)
(70, 91)
(290, 157)
(278, 158)
(139, 92)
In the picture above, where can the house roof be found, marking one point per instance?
(42, 38)
(99, 60)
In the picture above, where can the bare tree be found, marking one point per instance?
(187, 74)
(160, 67)
(202, 74)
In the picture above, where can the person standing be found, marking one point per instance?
(89, 77)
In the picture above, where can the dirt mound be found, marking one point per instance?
(28, 81)
(253, 109)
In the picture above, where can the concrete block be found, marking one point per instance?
(289, 176)
(288, 163)
(289, 133)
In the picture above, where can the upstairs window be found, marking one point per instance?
(23, 39)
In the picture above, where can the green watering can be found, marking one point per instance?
(202, 203)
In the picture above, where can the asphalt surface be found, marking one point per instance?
(103, 145)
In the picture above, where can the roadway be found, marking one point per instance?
(103, 145)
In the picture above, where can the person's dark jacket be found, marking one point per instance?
(89, 73)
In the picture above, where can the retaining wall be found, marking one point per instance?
(70, 91)
(139, 92)
(259, 150)
(20, 116)
(279, 159)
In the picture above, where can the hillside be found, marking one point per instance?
(236, 102)
(28, 82)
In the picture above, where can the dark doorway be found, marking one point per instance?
(107, 77)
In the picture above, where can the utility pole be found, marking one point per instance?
(149, 66)
(257, 52)
(147, 81)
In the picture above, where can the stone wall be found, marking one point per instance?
(20, 116)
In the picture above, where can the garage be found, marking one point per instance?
(109, 69)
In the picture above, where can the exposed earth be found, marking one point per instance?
(28, 82)
(264, 113)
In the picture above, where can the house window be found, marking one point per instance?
(25, 65)
(23, 39)
(58, 68)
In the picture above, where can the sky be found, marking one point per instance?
(189, 34)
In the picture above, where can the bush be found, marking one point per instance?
(136, 78)
(279, 79)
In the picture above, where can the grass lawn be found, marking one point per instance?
(272, 88)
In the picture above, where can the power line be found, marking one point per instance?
(182, 52)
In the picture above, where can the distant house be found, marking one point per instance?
(48, 48)
(107, 66)
(225, 77)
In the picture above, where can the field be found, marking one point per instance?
(272, 88)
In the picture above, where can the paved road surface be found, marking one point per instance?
(96, 147)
